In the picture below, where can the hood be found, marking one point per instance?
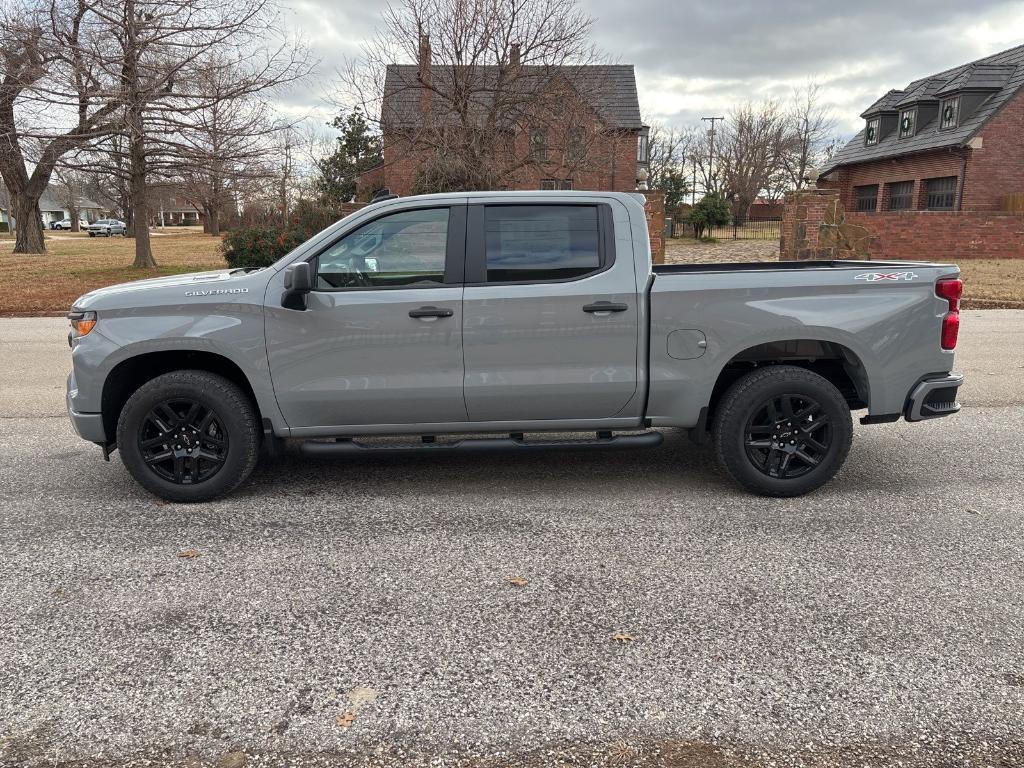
(123, 293)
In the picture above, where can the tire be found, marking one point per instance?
(92, 234)
(752, 439)
(230, 438)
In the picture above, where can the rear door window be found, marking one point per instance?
(541, 243)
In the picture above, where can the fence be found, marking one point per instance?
(751, 229)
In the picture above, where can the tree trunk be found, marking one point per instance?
(140, 207)
(212, 223)
(73, 210)
(28, 221)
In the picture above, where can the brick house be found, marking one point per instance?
(600, 143)
(939, 166)
(950, 141)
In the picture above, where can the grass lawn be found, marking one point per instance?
(76, 263)
(993, 283)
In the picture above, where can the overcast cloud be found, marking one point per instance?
(699, 58)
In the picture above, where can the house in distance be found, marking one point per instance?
(953, 141)
(533, 126)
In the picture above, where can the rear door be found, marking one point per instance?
(550, 327)
(380, 340)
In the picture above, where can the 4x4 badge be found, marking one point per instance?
(874, 277)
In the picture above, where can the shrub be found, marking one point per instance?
(711, 211)
(4, 226)
(259, 246)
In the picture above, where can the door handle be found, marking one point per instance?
(605, 306)
(431, 312)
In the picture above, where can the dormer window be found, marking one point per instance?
(871, 132)
(949, 113)
(907, 119)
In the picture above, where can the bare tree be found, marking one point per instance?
(752, 144)
(669, 150)
(497, 88)
(70, 188)
(811, 138)
(175, 60)
(222, 144)
(54, 97)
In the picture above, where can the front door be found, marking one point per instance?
(550, 314)
(380, 340)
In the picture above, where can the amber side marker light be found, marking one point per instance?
(81, 323)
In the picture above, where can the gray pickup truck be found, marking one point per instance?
(498, 316)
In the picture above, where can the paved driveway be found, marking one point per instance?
(362, 612)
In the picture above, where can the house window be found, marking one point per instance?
(576, 151)
(552, 184)
(949, 113)
(867, 197)
(871, 132)
(907, 119)
(940, 194)
(642, 151)
(901, 196)
(539, 144)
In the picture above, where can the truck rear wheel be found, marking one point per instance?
(189, 436)
(782, 431)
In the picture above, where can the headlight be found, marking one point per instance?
(81, 323)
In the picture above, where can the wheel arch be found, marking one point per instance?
(130, 374)
(834, 361)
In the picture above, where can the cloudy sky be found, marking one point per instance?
(698, 58)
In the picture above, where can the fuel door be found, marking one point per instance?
(687, 344)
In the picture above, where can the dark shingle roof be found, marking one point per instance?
(885, 104)
(609, 89)
(1001, 75)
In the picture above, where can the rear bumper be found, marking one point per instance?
(933, 398)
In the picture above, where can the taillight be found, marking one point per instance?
(950, 329)
(951, 290)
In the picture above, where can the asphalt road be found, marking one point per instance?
(360, 612)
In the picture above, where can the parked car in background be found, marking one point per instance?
(107, 227)
(66, 224)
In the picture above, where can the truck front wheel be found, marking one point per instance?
(189, 436)
(782, 431)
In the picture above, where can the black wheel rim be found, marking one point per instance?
(183, 441)
(787, 436)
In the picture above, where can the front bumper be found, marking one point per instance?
(933, 398)
(89, 426)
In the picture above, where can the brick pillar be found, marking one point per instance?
(654, 207)
(814, 227)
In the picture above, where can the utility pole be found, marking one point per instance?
(711, 154)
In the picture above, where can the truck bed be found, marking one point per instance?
(774, 266)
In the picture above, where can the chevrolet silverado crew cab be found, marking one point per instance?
(498, 316)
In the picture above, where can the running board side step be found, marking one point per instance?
(604, 440)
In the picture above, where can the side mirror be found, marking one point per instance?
(298, 281)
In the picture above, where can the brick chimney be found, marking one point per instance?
(423, 73)
(515, 56)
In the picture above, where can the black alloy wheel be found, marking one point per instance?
(782, 430)
(788, 436)
(189, 435)
(183, 441)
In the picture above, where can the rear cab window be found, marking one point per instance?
(537, 243)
